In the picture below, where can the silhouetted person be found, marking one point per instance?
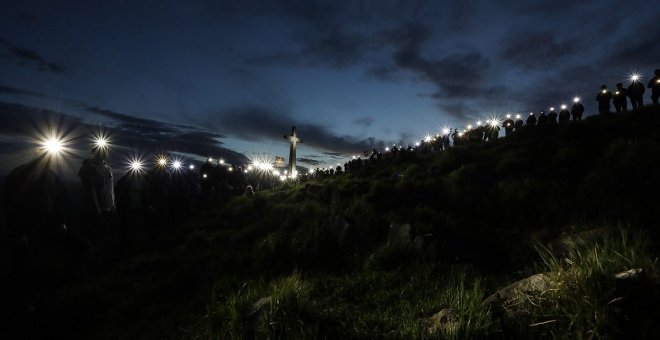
(654, 85)
(98, 191)
(543, 119)
(636, 93)
(158, 181)
(519, 123)
(40, 249)
(604, 97)
(620, 98)
(508, 125)
(577, 109)
(249, 191)
(493, 131)
(531, 120)
(552, 116)
(564, 115)
(454, 137)
(130, 196)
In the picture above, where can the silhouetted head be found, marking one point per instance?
(657, 72)
(619, 85)
(603, 87)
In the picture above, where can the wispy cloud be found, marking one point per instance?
(25, 56)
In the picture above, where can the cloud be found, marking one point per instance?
(15, 91)
(538, 50)
(332, 47)
(311, 162)
(364, 121)
(255, 123)
(26, 56)
(154, 137)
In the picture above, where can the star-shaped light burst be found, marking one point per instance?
(576, 99)
(53, 146)
(445, 131)
(101, 141)
(508, 116)
(161, 161)
(177, 164)
(518, 116)
(428, 138)
(494, 121)
(634, 77)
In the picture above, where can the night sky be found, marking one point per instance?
(230, 78)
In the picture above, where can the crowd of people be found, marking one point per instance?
(490, 129)
(41, 220)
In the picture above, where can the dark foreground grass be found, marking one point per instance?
(316, 254)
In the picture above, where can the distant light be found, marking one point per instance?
(428, 138)
(282, 178)
(387, 149)
(617, 92)
(494, 123)
(205, 175)
(221, 161)
(101, 143)
(563, 106)
(518, 116)
(176, 165)
(478, 123)
(53, 146)
(531, 113)
(552, 109)
(576, 100)
(445, 131)
(136, 166)
(210, 159)
(634, 77)
(245, 171)
(469, 127)
(417, 144)
(230, 169)
(162, 161)
(508, 115)
(191, 167)
(311, 171)
(460, 134)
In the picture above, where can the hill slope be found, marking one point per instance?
(319, 259)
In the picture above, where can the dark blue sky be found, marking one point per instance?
(206, 77)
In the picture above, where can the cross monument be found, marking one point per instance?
(294, 140)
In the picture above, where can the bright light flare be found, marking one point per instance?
(162, 161)
(494, 122)
(428, 138)
(634, 77)
(576, 100)
(552, 109)
(563, 106)
(53, 146)
(469, 127)
(221, 161)
(446, 131)
(604, 91)
(176, 164)
(508, 116)
(518, 116)
(191, 167)
(417, 144)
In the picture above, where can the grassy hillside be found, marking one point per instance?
(577, 202)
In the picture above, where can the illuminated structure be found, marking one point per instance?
(294, 140)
